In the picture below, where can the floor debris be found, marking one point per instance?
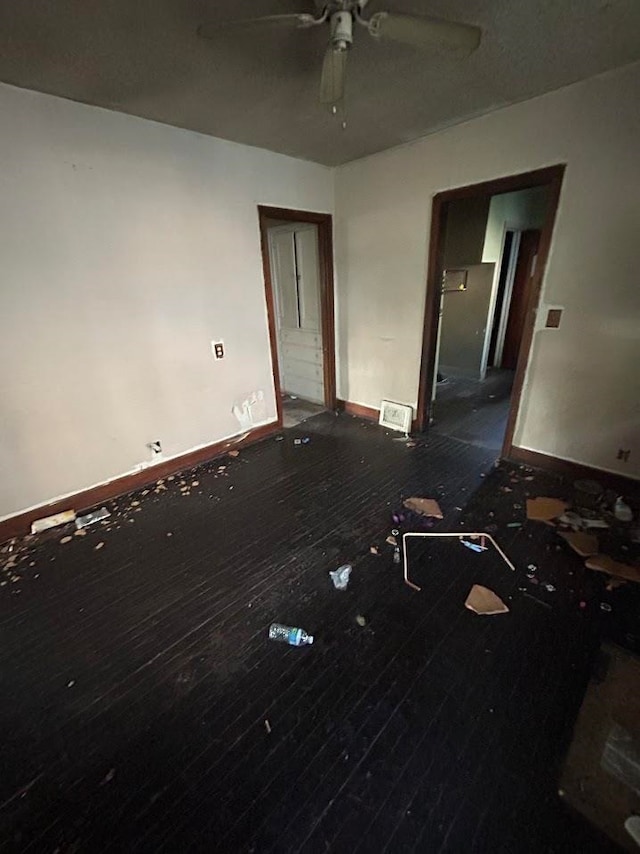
(99, 546)
(374, 550)
(482, 536)
(234, 453)
(92, 518)
(361, 620)
(484, 601)
(545, 509)
(267, 726)
(289, 634)
(583, 544)
(340, 576)
(474, 547)
(539, 601)
(424, 507)
(52, 521)
(622, 511)
(604, 563)
(65, 540)
(391, 540)
(574, 520)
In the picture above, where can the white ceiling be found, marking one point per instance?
(260, 86)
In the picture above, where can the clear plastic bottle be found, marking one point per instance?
(289, 634)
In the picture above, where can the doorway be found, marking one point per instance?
(297, 257)
(488, 249)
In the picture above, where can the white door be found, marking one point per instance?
(295, 272)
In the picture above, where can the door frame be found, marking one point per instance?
(551, 177)
(324, 223)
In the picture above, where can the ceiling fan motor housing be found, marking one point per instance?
(341, 30)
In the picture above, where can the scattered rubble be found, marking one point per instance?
(92, 518)
(484, 601)
(604, 563)
(424, 507)
(340, 576)
(583, 544)
(47, 522)
(545, 509)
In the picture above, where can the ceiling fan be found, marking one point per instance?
(340, 15)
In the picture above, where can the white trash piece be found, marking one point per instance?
(340, 576)
(90, 518)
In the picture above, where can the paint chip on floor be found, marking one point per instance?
(484, 601)
(424, 507)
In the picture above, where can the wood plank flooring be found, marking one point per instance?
(137, 677)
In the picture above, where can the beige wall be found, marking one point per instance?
(125, 248)
(582, 388)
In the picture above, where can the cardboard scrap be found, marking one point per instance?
(604, 563)
(424, 507)
(484, 601)
(584, 544)
(545, 509)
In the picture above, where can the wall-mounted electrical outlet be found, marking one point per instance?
(217, 348)
(623, 454)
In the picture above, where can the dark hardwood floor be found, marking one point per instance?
(472, 411)
(297, 410)
(137, 677)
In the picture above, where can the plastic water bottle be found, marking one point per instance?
(289, 634)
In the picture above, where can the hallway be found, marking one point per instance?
(472, 411)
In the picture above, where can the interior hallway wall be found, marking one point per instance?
(126, 248)
(520, 210)
(582, 387)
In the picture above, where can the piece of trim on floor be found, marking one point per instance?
(612, 480)
(20, 524)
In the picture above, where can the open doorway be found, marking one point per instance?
(297, 259)
(489, 245)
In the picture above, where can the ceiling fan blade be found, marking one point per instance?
(297, 21)
(333, 76)
(430, 33)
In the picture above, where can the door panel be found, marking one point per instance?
(306, 242)
(296, 280)
(529, 241)
(284, 272)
